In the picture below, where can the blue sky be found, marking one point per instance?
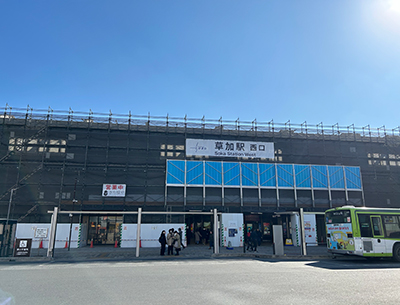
(312, 60)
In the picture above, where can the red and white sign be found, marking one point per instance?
(113, 190)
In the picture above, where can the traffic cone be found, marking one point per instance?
(66, 244)
(91, 243)
(116, 244)
(41, 244)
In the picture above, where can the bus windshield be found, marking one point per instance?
(342, 216)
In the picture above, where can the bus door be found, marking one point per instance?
(378, 242)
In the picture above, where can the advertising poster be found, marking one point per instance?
(232, 230)
(114, 190)
(310, 229)
(339, 236)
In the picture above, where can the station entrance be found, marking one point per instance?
(203, 224)
(103, 230)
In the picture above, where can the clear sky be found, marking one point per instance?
(310, 60)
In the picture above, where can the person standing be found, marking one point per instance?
(254, 240)
(197, 237)
(162, 240)
(170, 241)
(211, 238)
(259, 237)
(177, 242)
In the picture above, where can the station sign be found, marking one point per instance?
(23, 247)
(230, 149)
(114, 190)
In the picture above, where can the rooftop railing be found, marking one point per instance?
(284, 129)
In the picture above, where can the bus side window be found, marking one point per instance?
(365, 225)
(392, 226)
(377, 226)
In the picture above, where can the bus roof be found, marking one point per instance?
(364, 209)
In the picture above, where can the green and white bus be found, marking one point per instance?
(367, 232)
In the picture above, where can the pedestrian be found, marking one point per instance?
(177, 242)
(254, 240)
(170, 240)
(162, 240)
(211, 237)
(197, 237)
(259, 237)
(204, 236)
(248, 239)
(180, 235)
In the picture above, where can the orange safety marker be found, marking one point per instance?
(116, 244)
(41, 244)
(66, 244)
(91, 243)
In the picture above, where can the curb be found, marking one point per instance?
(6, 260)
(278, 257)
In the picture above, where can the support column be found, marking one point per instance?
(52, 235)
(216, 239)
(303, 236)
(139, 222)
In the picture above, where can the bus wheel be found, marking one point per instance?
(396, 252)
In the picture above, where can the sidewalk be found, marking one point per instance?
(109, 253)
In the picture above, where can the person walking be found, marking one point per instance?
(162, 240)
(211, 238)
(197, 237)
(254, 240)
(177, 242)
(170, 241)
(259, 237)
(180, 235)
(248, 239)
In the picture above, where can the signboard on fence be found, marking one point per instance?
(41, 232)
(114, 190)
(23, 247)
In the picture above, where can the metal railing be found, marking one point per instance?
(30, 116)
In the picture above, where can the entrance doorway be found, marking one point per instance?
(104, 230)
(198, 223)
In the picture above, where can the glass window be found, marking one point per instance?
(342, 216)
(392, 226)
(365, 225)
(377, 225)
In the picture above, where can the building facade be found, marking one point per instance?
(65, 159)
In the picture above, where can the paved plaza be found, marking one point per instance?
(192, 251)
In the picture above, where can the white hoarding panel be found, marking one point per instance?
(149, 234)
(31, 230)
(114, 190)
(232, 230)
(228, 148)
(128, 235)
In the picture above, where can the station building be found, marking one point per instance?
(267, 171)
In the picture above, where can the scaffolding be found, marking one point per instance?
(51, 156)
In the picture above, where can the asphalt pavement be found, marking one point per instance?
(210, 280)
